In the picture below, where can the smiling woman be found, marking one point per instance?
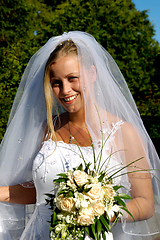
(66, 85)
(72, 97)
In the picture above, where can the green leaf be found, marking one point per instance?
(63, 191)
(50, 195)
(101, 177)
(87, 167)
(82, 238)
(93, 230)
(63, 175)
(54, 217)
(70, 194)
(120, 201)
(124, 196)
(104, 235)
(105, 222)
(127, 212)
(60, 180)
(98, 228)
(89, 231)
(76, 184)
(80, 167)
(87, 190)
(117, 187)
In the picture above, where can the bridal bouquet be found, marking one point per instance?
(85, 201)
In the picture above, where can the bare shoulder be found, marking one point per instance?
(112, 119)
(59, 122)
(129, 131)
(61, 127)
(132, 141)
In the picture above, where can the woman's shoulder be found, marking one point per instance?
(59, 122)
(61, 127)
(132, 138)
(128, 130)
(112, 119)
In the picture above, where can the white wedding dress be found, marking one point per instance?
(46, 166)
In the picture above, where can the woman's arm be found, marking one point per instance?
(142, 204)
(18, 194)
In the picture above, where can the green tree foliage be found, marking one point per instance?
(128, 36)
(21, 25)
(126, 33)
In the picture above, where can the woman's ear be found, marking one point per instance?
(93, 73)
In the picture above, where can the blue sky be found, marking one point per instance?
(154, 13)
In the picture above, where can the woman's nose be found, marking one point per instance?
(66, 87)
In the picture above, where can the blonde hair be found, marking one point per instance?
(63, 49)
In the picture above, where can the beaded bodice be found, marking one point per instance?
(56, 158)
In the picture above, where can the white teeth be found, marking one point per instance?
(70, 98)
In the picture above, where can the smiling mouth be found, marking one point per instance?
(69, 99)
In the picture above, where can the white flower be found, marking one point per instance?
(94, 180)
(80, 177)
(98, 209)
(62, 185)
(61, 228)
(109, 192)
(96, 192)
(81, 201)
(66, 204)
(52, 235)
(85, 217)
(84, 204)
(116, 208)
(70, 219)
(71, 184)
(111, 209)
(60, 216)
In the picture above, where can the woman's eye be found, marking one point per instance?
(55, 83)
(73, 78)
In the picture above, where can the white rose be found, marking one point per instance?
(85, 217)
(98, 209)
(65, 204)
(80, 177)
(96, 192)
(109, 192)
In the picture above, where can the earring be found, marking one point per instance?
(84, 88)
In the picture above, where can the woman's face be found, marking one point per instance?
(65, 81)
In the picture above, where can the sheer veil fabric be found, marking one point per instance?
(107, 101)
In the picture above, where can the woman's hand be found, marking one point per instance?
(18, 194)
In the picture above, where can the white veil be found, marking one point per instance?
(108, 91)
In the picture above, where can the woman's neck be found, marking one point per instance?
(77, 118)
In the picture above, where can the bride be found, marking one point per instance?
(72, 91)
